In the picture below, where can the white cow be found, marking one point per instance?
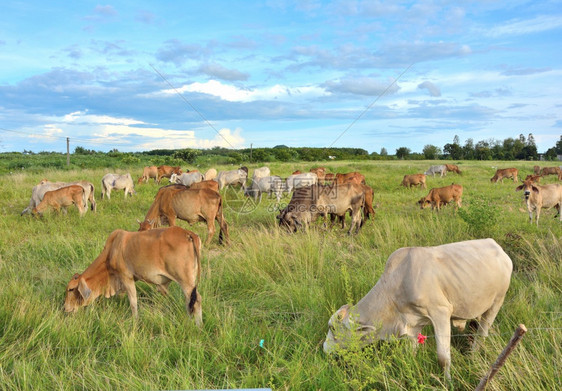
(296, 181)
(538, 197)
(440, 285)
(117, 182)
(269, 185)
(233, 177)
(261, 172)
(187, 178)
(38, 192)
(440, 169)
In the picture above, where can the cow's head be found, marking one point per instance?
(424, 202)
(527, 187)
(78, 294)
(289, 220)
(345, 330)
(146, 224)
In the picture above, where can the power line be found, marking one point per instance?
(89, 141)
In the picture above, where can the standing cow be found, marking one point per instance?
(38, 192)
(269, 185)
(439, 169)
(442, 285)
(117, 182)
(63, 198)
(232, 178)
(503, 173)
(538, 197)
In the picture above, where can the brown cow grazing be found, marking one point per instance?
(414, 180)
(320, 173)
(536, 170)
(89, 189)
(167, 171)
(453, 167)
(502, 173)
(208, 184)
(538, 197)
(62, 198)
(350, 177)
(147, 173)
(533, 178)
(191, 205)
(552, 171)
(157, 256)
(439, 196)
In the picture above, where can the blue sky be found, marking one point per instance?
(141, 75)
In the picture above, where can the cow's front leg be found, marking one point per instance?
(129, 285)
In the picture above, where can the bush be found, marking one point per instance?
(481, 216)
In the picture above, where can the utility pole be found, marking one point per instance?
(251, 152)
(68, 151)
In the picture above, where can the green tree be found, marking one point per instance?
(384, 152)
(551, 154)
(468, 149)
(559, 146)
(403, 152)
(431, 152)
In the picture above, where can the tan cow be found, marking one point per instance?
(167, 171)
(210, 174)
(539, 197)
(440, 196)
(443, 286)
(350, 177)
(320, 173)
(502, 173)
(191, 205)
(453, 168)
(552, 171)
(414, 180)
(45, 185)
(158, 257)
(207, 184)
(62, 198)
(147, 173)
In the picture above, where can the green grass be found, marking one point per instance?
(267, 285)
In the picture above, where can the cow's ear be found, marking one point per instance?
(519, 188)
(535, 189)
(83, 288)
(342, 312)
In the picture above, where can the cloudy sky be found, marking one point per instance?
(140, 75)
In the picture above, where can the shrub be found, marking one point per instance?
(481, 216)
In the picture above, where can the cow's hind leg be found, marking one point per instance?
(442, 327)
(210, 231)
(486, 320)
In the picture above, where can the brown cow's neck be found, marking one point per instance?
(97, 277)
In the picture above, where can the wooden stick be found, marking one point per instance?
(519, 333)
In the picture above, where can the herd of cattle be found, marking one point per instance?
(420, 285)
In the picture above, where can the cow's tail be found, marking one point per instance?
(223, 227)
(196, 240)
(92, 197)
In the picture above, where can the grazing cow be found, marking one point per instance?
(210, 174)
(62, 198)
(187, 178)
(443, 286)
(320, 173)
(536, 170)
(414, 180)
(440, 196)
(538, 197)
(167, 171)
(502, 173)
(440, 169)
(157, 256)
(269, 185)
(296, 181)
(309, 203)
(232, 178)
(533, 178)
(111, 182)
(210, 184)
(149, 172)
(38, 192)
(453, 167)
(261, 172)
(367, 207)
(350, 177)
(552, 171)
(191, 205)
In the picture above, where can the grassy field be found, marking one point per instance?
(272, 286)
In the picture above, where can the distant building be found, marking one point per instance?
(331, 157)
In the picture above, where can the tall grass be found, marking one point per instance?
(266, 285)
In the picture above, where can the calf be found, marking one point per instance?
(414, 180)
(503, 173)
(533, 178)
(167, 171)
(453, 167)
(62, 198)
(157, 256)
(147, 173)
(552, 171)
(439, 196)
(538, 197)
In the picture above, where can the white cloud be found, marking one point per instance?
(235, 94)
(521, 27)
